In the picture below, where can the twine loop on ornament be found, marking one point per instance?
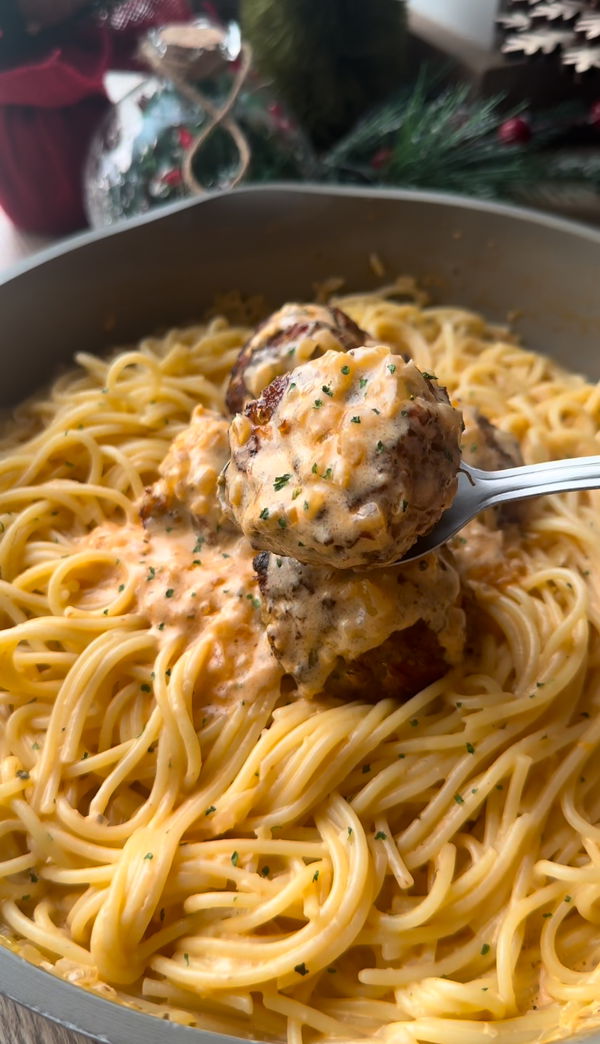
(184, 53)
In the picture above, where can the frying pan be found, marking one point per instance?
(111, 287)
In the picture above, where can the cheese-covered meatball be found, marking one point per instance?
(189, 473)
(288, 338)
(389, 632)
(344, 462)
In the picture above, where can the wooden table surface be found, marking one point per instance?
(19, 1026)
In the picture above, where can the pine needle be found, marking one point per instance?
(450, 142)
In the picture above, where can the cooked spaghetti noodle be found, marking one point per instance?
(179, 836)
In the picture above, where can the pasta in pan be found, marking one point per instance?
(182, 834)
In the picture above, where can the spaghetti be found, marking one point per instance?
(177, 834)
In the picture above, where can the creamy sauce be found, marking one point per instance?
(190, 589)
(357, 458)
(189, 572)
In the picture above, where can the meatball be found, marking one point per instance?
(288, 338)
(485, 446)
(386, 632)
(344, 462)
(190, 471)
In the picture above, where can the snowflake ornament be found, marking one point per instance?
(566, 10)
(538, 41)
(583, 59)
(589, 25)
(517, 22)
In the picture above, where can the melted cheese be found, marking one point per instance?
(358, 458)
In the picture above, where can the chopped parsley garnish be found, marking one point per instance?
(292, 385)
(149, 855)
(145, 687)
(380, 836)
(363, 381)
(198, 545)
(265, 871)
(186, 958)
(430, 377)
(328, 474)
(350, 831)
(22, 774)
(282, 522)
(459, 800)
(235, 857)
(208, 811)
(485, 949)
(151, 573)
(121, 588)
(470, 748)
(392, 367)
(169, 592)
(264, 513)
(279, 562)
(301, 969)
(326, 388)
(366, 768)
(317, 404)
(380, 447)
(281, 481)
(314, 468)
(355, 420)
(345, 370)
(316, 875)
(404, 505)
(375, 410)
(296, 493)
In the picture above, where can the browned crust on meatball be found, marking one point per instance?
(401, 666)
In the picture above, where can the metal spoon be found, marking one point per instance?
(478, 490)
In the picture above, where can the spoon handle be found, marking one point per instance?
(531, 480)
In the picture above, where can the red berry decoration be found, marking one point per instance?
(173, 178)
(516, 131)
(594, 115)
(185, 137)
(381, 158)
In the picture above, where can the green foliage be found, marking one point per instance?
(450, 142)
(330, 60)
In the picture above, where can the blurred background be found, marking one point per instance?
(110, 108)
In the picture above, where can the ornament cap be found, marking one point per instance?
(191, 51)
